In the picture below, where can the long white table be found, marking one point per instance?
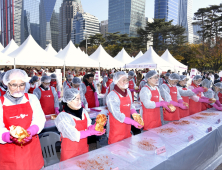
(203, 152)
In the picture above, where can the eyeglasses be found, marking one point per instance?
(15, 86)
(125, 80)
(46, 83)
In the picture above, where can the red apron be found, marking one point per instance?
(103, 90)
(131, 86)
(171, 116)
(70, 149)
(2, 92)
(68, 84)
(151, 117)
(119, 131)
(90, 98)
(14, 156)
(195, 107)
(32, 89)
(109, 82)
(183, 112)
(47, 101)
(54, 84)
(220, 97)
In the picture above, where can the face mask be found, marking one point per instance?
(126, 86)
(18, 94)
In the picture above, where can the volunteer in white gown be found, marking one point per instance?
(20, 109)
(151, 101)
(170, 93)
(68, 82)
(119, 102)
(3, 87)
(33, 84)
(211, 94)
(74, 124)
(47, 96)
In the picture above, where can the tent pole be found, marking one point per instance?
(64, 70)
(14, 64)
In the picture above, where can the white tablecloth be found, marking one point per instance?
(200, 153)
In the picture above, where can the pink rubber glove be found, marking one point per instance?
(204, 100)
(133, 111)
(198, 90)
(163, 104)
(59, 93)
(217, 107)
(91, 131)
(180, 101)
(32, 131)
(132, 90)
(180, 105)
(57, 110)
(96, 99)
(106, 87)
(6, 137)
(130, 121)
(218, 103)
(137, 91)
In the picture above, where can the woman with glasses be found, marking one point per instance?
(47, 96)
(186, 93)
(170, 94)
(151, 101)
(74, 124)
(20, 109)
(196, 100)
(119, 102)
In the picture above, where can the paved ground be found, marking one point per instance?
(219, 167)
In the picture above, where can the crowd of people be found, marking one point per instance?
(24, 102)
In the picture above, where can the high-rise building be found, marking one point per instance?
(49, 22)
(84, 25)
(167, 9)
(19, 18)
(185, 16)
(68, 10)
(104, 27)
(126, 16)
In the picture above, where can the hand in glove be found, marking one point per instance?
(132, 90)
(57, 110)
(59, 93)
(218, 103)
(163, 104)
(217, 107)
(91, 131)
(204, 100)
(199, 89)
(180, 105)
(130, 121)
(6, 137)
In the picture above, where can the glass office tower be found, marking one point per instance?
(19, 18)
(167, 9)
(49, 22)
(126, 16)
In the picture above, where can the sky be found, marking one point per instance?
(99, 8)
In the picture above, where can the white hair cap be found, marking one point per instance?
(15, 74)
(118, 76)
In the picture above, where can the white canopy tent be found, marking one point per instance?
(73, 57)
(50, 50)
(150, 60)
(12, 46)
(1, 47)
(177, 65)
(30, 53)
(5, 60)
(104, 59)
(123, 57)
(139, 54)
(51, 55)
